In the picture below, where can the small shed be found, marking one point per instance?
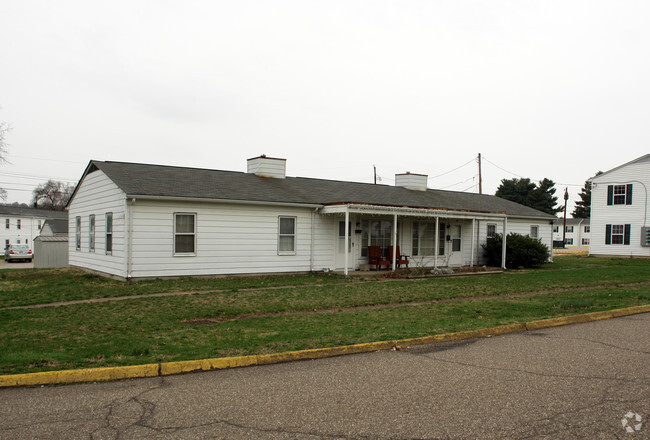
(50, 252)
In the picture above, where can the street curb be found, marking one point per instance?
(170, 368)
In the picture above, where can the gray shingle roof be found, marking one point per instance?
(20, 211)
(168, 181)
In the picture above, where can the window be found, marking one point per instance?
(39, 225)
(18, 241)
(78, 233)
(6, 244)
(184, 234)
(619, 194)
(287, 235)
(568, 229)
(585, 242)
(18, 224)
(569, 241)
(424, 238)
(556, 229)
(91, 233)
(7, 223)
(617, 234)
(109, 232)
(491, 230)
(534, 232)
(587, 228)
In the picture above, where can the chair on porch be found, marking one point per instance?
(399, 259)
(376, 259)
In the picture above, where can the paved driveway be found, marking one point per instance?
(573, 382)
(16, 265)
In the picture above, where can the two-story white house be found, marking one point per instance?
(577, 233)
(20, 225)
(620, 211)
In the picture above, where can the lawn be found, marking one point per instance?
(254, 315)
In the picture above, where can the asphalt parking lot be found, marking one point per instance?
(585, 381)
(16, 265)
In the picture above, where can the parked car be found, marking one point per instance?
(18, 252)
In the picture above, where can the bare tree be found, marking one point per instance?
(4, 129)
(52, 195)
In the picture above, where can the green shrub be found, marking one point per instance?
(521, 251)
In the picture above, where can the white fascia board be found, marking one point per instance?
(236, 202)
(410, 212)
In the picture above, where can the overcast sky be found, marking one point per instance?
(556, 89)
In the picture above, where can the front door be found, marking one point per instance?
(340, 246)
(456, 256)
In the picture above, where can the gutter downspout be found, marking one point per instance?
(503, 244)
(471, 264)
(394, 256)
(129, 238)
(435, 253)
(347, 234)
(311, 246)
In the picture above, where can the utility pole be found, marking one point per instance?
(566, 197)
(374, 168)
(480, 177)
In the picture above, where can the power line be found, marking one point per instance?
(451, 171)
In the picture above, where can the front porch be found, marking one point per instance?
(429, 237)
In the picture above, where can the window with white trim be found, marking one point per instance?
(568, 229)
(184, 233)
(109, 232)
(7, 223)
(424, 238)
(491, 230)
(569, 241)
(617, 234)
(18, 224)
(619, 194)
(556, 229)
(587, 228)
(286, 235)
(585, 241)
(534, 232)
(91, 233)
(78, 233)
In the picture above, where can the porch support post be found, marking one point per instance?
(394, 256)
(503, 243)
(435, 253)
(471, 263)
(347, 234)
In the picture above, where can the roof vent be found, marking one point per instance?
(267, 167)
(408, 180)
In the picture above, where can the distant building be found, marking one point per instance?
(20, 225)
(577, 235)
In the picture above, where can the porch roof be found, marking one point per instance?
(145, 180)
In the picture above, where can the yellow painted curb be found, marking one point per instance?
(75, 376)
(169, 368)
(587, 317)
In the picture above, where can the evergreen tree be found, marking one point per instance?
(539, 196)
(583, 206)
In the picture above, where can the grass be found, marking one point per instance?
(144, 330)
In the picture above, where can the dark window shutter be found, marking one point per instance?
(628, 194)
(626, 237)
(608, 234)
(610, 194)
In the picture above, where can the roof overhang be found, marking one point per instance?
(409, 211)
(136, 197)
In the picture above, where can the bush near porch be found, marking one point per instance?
(521, 251)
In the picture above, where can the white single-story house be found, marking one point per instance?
(132, 221)
(620, 211)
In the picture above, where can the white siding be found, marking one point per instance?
(325, 236)
(26, 234)
(230, 239)
(636, 215)
(98, 195)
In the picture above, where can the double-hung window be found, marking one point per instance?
(7, 223)
(109, 232)
(184, 234)
(534, 232)
(619, 194)
(424, 238)
(78, 233)
(491, 230)
(286, 235)
(587, 228)
(18, 224)
(568, 229)
(91, 233)
(617, 234)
